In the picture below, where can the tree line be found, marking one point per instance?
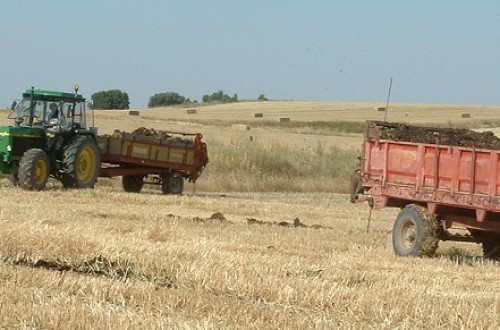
(117, 99)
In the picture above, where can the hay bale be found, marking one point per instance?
(133, 113)
(284, 120)
(240, 127)
(191, 111)
(258, 115)
(465, 115)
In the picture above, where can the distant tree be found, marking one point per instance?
(165, 99)
(262, 97)
(219, 96)
(112, 99)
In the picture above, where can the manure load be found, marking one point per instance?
(445, 181)
(460, 137)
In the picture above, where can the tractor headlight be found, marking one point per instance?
(9, 148)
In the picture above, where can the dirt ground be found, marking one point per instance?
(104, 258)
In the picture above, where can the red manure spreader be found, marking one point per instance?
(445, 181)
(147, 156)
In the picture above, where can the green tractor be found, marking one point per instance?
(49, 138)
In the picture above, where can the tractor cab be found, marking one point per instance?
(53, 111)
(49, 138)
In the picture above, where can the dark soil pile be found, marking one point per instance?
(150, 134)
(446, 136)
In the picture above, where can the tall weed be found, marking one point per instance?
(250, 166)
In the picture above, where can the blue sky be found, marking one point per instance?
(436, 51)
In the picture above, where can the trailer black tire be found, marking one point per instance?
(172, 183)
(491, 248)
(81, 162)
(415, 232)
(34, 169)
(132, 183)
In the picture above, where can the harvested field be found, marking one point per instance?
(106, 259)
(240, 250)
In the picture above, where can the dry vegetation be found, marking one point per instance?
(218, 259)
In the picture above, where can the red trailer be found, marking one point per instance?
(446, 183)
(165, 159)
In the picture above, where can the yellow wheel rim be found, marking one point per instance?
(86, 166)
(40, 174)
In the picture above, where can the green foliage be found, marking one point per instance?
(262, 97)
(166, 99)
(219, 96)
(112, 99)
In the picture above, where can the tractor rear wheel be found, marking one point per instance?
(415, 232)
(172, 183)
(81, 162)
(132, 183)
(34, 170)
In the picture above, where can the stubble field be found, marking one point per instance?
(219, 257)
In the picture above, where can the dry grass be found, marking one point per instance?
(102, 258)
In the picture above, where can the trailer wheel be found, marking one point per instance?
(491, 248)
(172, 183)
(34, 170)
(82, 162)
(415, 232)
(132, 183)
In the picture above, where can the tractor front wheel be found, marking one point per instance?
(172, 183)
(81, 162)
(415, 232)
(34, 170)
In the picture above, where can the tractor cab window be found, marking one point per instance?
(47, 113)
(78, 114)
(73, 114)
(22, 109)
(58, 113)
(55, 114)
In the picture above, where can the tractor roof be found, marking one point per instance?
(46, 95)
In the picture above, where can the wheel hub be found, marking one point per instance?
(86, 164)
(40, 171)
(408, 234)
